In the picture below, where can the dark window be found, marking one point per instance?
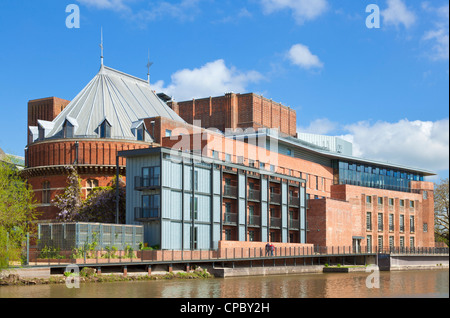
(140, 133)
(105, 130)
(151, 176)
(46, 192)
(151, 205)
(68, 129)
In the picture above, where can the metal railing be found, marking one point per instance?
(112, 256)
(230, 191)
(145, 214)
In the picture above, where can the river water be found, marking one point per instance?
(395, 284)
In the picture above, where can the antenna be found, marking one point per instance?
(149, 64)
(101, 45)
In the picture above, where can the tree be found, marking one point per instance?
(16, 212)
(441, 211)
(69, 203)
(100, 205)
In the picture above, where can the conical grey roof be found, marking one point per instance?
(121, 99)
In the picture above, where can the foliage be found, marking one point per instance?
(16, 213)
(69, 202)
(100, 206)
(50, 253)
(441, 211)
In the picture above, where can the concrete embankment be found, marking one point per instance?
(224, 272)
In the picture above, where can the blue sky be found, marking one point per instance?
(385, 89)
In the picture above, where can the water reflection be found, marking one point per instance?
(333, 285)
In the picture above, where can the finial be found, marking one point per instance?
(149, 64)
(101, 45)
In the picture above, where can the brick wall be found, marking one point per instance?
(238, 111)
(45, 109)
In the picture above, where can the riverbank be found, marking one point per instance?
(89, 275)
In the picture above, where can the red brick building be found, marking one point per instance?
(351, 201)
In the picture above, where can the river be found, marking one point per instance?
(395, 284)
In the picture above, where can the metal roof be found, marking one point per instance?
(119, 98)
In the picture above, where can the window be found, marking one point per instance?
(195, 180)
(368, 199)
(91, 184)
(227, 157)
(380, 201)
(411, 204)
(151, 176)
(425, 195)
(425, 227)
(194, 238)
(317, 183)
(402, 203)
(391, 241)
(228, 235)
(402, 241)
(369, 221)
(411, 224)
(369, 243)
(289, 152)
(194, 208)
(402, 223)
(46, 192)
(105, 129)
(251, 214)
(411, 242)
(380, 243)
(68, 129)
(227, 207)
(140, 133)
(151, 205)
(215, 154)
(391, 222)
(391, 202)
(380, 221)
(262, 165)
(168, 133)
(251, 236)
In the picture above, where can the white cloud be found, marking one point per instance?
(397, 13)
(212, 79)
(182, 10)
(439, 36)
(300, 55)
(321, 126)
(422, 144)
(115, 5)
(303, 10)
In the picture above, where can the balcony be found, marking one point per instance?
(254, 195)
(230, 218)
(275, 198)
(230, 191)
(146, 183)
(294, 224)
(294, 201)
(254, 220)
(146, 214)
(275, 222)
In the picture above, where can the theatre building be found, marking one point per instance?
(252, 179)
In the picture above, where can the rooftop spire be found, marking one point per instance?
(101, 45)
(149, 64)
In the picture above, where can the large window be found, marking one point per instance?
(151, 176)
(373, 176)
(151, 205)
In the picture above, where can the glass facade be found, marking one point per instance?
(373, 176)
